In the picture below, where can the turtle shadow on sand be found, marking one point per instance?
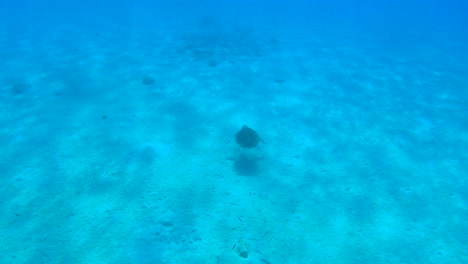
(245, 164)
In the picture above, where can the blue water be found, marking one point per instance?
(119, 122)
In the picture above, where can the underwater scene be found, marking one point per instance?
(225, 132)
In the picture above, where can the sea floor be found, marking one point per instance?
(118, 147)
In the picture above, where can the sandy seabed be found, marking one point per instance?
(123, 152)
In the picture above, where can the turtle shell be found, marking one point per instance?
(247, 137)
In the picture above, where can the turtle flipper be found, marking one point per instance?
(261, 140)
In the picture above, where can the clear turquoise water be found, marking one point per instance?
(118, 120)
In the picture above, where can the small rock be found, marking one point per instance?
(19, 88)
(212, 63)
(244, 254)
(242, 248)
(148, 80)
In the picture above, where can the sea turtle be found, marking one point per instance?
(247, 137)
